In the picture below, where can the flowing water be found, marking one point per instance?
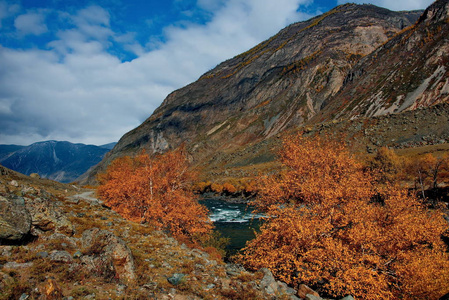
(235, 221)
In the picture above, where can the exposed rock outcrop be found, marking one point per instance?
(409, 71)
(46, 216)
(15, 220)
(108, 254)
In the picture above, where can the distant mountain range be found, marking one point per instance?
(60, 161)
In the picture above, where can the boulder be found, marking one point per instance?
(14, 183)
(312, 297)
(304, 290)
(270, 286)
(46, 216)
(61, 256)
(102, 246)
(177, 278)
(15, 220)
(35, 175)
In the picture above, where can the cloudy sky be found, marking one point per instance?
(88, 71)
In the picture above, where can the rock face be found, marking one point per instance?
(108, 254)
(409, 71)
(15, 220)
(21, 217)
(281, 83)
(46, 216)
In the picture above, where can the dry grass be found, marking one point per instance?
(437, 150)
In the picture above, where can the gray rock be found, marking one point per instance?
(110, 249)
(284, 289)
(24, 297)
(14, 183)
(42, 254)
(28, 191)
(272, 287)
(15, 220)
(268, 283)
(14, 265)
(150, 286)
(77, 254)
(312, 297)
(46, 216)
(61, 256)
(347, 298)
(5, 251)
(234, 269)
(177, 278)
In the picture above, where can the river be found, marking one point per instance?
(235, 221)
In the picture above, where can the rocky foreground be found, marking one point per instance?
(59, 242)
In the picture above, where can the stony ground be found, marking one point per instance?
(59, 242)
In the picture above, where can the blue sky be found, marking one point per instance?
(89, 71)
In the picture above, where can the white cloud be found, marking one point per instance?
(7, 10)
(79, 91)
(31, 23)
(396, 5)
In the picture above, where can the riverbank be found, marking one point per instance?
(238, 199)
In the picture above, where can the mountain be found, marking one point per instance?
(409, 71)
(108, 146)
(6, 150)
(60, 161)
(327, 69)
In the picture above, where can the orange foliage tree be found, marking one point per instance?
(156, 191)
(387, 166)
(329, 227)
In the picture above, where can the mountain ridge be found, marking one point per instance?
(57, 160)
(291, 80)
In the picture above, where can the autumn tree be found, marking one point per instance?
(157, 191)
(327, 227)
(229, 188)
(387, 166)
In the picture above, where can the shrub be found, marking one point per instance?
(325, 230)
(156, 191)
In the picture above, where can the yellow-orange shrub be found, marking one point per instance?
(216, 188)
(229, 188)
(156, 191)
(328, 227)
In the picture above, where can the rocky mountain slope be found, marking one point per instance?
(409, 71)
(60, 161)
(58, 241)
(354, 61)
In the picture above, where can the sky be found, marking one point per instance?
(89, 71)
